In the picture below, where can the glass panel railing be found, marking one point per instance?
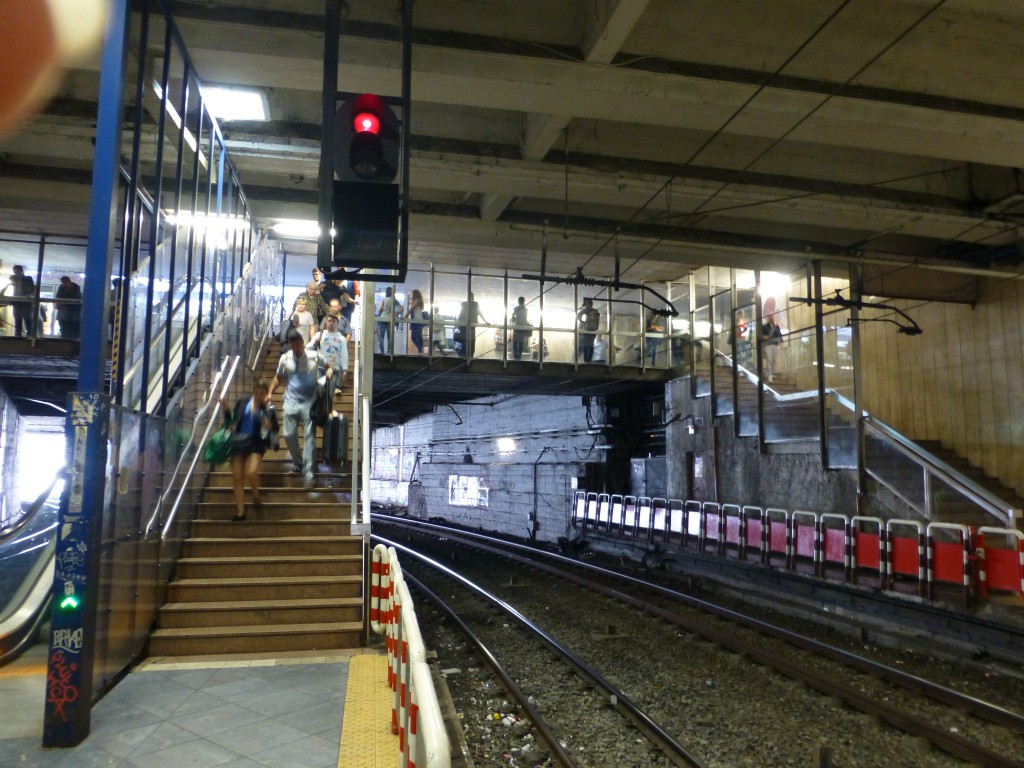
(790, 393)
(840, 424)
(723, 337)
(924, 484)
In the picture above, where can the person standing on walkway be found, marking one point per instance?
(521, 329)
(298, 370)
(23, 288)
(388, 311)
(589, 321)
(417, 317)
(254, 420)
(469, 319)
(69, 308)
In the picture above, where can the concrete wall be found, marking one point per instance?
(523, 492)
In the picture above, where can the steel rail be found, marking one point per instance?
(948, 742)
(673, 750)
(546, 733)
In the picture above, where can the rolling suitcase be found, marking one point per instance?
(335, 439)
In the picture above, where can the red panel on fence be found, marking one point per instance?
(712, 526)
(1003, 569)
(754, 533)
(805, 541)
(866, 552)
(732, 530)
(905, 559)
(948, 562)
(835, 546)
(777, 536)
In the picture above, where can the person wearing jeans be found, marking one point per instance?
(298, 371)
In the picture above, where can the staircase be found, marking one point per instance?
(288, 578)
(948, 507)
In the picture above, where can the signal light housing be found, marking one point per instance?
(366, 140)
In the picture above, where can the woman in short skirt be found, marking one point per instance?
(255, 420)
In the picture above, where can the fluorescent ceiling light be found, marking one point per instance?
(506, 444)
(226, 103)
(298, 228)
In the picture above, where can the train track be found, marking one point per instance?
(756, 662)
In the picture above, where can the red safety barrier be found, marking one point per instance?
(732, 524)
(642, 525)
(777, 543)
(614, 512)
(693, 536)
(1001, 551)
(949, 557)
(835, 544)
(867, 541)
(603, 509)
(711, 529)
(893, 553)
(579, 509)
(754, 532)
(592, 507)
(628, 512)
(905, 552)
(804, 541)
(659, 518)
(675, 531)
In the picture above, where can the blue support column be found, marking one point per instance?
(71, 657)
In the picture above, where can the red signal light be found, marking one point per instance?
(366, 122)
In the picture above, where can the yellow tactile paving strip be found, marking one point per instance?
(366, 738)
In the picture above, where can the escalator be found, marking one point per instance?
(26, 573)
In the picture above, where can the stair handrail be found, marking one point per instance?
(984, 498)
(211, 401)
(197, 454)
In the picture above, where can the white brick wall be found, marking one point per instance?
(552, 445)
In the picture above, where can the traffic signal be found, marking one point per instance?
(366, 201)
(366, 140)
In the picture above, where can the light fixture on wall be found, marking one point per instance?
(467, 457)
(691, 423)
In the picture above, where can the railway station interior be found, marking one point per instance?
(739, 277)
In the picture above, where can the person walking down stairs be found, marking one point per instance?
(297, 370)
(255, 429)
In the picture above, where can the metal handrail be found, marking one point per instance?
(935, 466)
(191, 441)
(980, 496)
(228, 379)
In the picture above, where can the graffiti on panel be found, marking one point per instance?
(468, 491)
(60, 687)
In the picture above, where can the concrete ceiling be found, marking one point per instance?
(676, 132)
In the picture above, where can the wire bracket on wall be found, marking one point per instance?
(910, 327)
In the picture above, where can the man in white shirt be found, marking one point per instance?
(298, 370)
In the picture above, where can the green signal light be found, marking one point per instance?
(69, 603)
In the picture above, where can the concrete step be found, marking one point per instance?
(222, 511)
(279, 475)
(276, 495)
(248, 613)
(271, 566)
(267, 526)
(268, 638)
(283, 546)
(266, 587)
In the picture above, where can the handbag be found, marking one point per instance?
(218, 449)
(321, 407)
